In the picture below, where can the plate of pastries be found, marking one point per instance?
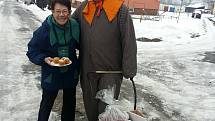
(60, 62)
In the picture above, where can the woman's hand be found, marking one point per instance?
(48, 60)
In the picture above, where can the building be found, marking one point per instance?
(139, 7)
(207, 7)
(171, 8)
(175, 2)
(190, 8)
(143, 7)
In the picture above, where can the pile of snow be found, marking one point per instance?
(1, 2)
(41, 14)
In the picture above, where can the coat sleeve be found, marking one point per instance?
(75, 30)
(76, 15)
(34, 52)
(129, 46)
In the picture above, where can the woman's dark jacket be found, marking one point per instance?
(39, 48)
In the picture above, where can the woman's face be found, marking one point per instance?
(61, 14)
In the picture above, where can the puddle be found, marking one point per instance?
(209, 57)
(30, 69)
(194, 35)
(23, 29)
(143, 39)
(212, 21)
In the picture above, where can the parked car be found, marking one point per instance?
(197, 14)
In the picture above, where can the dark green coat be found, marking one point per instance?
(39, 47)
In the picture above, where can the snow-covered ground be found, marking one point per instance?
(173, 69)
(180, 79)
(1, 2)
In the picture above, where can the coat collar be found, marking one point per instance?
(111, 8)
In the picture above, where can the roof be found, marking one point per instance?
(196, 5)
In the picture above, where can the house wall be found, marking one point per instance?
(167, 7)
(143, 7)
(145, 4)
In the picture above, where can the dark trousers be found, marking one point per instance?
(47, 102)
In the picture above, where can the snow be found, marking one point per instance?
(189, 92)
(37, 11)
(1, 2)
(41, 14)
(196, 5)
(213, 18)
(192, 98)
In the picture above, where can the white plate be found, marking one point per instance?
(58, 65)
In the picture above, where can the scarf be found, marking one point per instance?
(111, 8)
(71, 31)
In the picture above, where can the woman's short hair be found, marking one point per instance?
(66, 3)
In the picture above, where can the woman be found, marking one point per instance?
(57, 37)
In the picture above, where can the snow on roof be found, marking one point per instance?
(196, 5)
